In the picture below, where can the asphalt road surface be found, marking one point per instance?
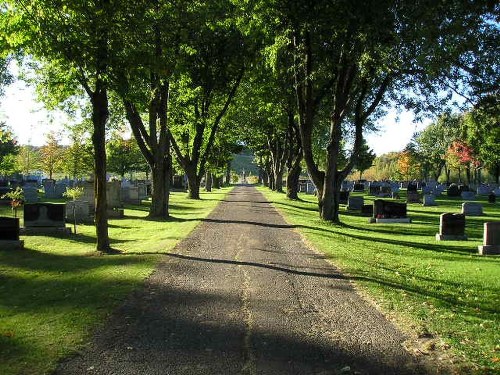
(243, 294)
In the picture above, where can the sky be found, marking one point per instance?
(31, 122)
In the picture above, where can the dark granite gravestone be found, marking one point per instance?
(453, 190)
(367, 210)
(412, 187)
(45, 217)
(451, 227)
(358, 187)
(491, 240)
(462, 188)
(492, 198)
(343, 196)
(374, 190)
(9, 233)
(385, 191)
(388, 209)
(472, 209)
(413, 197)
(355, 203)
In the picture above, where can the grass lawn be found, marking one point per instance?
(439, 290)
(57, 290)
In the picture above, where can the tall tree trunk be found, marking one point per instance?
(100, 114)
(160, 193)
(216, 182)
(193, 182)
(228, 174)
(208, 181)
(292, 181)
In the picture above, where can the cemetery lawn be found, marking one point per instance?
(57, 291)
(442, 294)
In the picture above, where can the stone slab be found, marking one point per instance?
(402, 220)
(45, 230)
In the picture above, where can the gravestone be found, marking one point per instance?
(367, 210)
(412, 187)
(427, 190)
(451, 227)
(389, 212)
(497, 192)
(412, 197)
(79, 210)
(403, 185)
(343, 196)
(88, 194)
(429, 200)
(453, 190)
(385, 191)
(178, 182)
(30, 194)
(472, 209)
(45, 218)
(491, 239)
(355, 203)
(131, 195)
(468, 195)
(484, 190)
(462, 188)
(492, 198)
(9, 233)
(113, 194)
(60, 189)
(374, 189)
(49, 188)
(358, 187)
(142, 191)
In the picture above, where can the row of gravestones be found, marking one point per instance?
(452, 226)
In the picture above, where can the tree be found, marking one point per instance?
(365, 159)
(8, 150)
(354, 58)
(408, 165)
(124, 156)
(74, 42)
(51, 155)
(213, 66)
(460, 155)
(77, 160)
(28, 159)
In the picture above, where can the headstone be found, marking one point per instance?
(453, 190)
(355, 203)
(60, 188)
(491, 239)
(462, 188)
(88, 194)
(429, 200)
(412, 187)
(427, 190)
(30, 194)
(9, 233)
(451, 227)
(484, 190)
(403, 185)
(385, 191)
(113, 194)
(358, 187)
(468, 195)
(374, 189)
(45, 217)
(412, 197)
(492, 198)
(367, 210)
(131, 195)
(178, 182)
(497, 192)
(79, 210)
(343, 196)
(142, 191)
(394, 188)
(472, 209)
(49, 187)
(389, 212)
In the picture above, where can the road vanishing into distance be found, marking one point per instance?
(243, 294)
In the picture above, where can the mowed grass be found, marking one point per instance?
(56, 291)
(442, 293)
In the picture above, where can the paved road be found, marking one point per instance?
(244, 295)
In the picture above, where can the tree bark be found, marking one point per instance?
(100, 114)
(292, 182)
(208, 181)
(193, 182)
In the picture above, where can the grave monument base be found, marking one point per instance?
(450, 237)
(404, 220)
(116, 213)
(489, 249)
(45, 230)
